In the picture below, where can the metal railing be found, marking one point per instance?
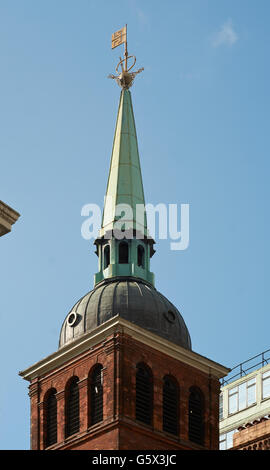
(246, 367)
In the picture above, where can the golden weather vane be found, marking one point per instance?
(124, 78)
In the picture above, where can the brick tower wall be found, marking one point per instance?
(119, 354)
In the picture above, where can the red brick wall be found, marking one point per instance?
(187, 376)
(108, 439)
(136, 437)
(119, 355)
(253, 437)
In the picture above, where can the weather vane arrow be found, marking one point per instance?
(124, 78)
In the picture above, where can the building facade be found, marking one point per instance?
(125, 375)
(245, 405)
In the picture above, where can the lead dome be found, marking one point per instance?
(132, 299)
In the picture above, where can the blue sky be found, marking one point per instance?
(202, 116)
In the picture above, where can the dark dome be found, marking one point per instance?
(132, 299)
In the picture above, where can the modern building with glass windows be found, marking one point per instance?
(245, 398)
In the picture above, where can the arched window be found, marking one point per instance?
(170, 405)
(195, 411)
(106, 256)
(140, 256)
(72, 407)
(50, 418)
(123, 253)
(96, 395)
(144, 394)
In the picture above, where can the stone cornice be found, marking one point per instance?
(117, 324)
(8, 217)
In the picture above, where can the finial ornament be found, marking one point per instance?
(124, 78)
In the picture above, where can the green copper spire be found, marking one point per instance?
(125, 184)
(124, 254)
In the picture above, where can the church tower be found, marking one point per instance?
(125, 375)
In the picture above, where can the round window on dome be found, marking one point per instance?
(170, 316)
(72, 318)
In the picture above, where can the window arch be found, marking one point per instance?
(123, 253)
(50, 418)
(72, 407)
(196, 412)
(106, 256)
(170, 405)
(144, 394)
(140, 256)
(96, 395)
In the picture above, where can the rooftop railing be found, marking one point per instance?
(244, 368)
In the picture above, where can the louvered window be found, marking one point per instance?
(144, 395)
(196, 425)
(96, 391)
(170, 406)
(51, 418)
(72, 408)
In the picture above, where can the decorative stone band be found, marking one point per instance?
(119, 325)
(8, 217)
(253, 435)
